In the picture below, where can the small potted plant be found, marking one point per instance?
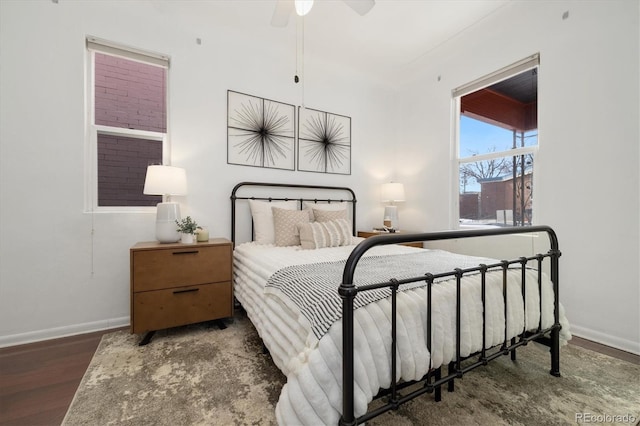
(187, 227)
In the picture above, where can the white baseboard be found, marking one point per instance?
(55, 333)
(606, 339)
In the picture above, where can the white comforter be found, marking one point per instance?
(313, 392)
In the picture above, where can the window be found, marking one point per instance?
(497, 145)
(127, 123)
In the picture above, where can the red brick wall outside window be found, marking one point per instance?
(128, 95)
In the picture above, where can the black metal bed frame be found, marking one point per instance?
(434, 379)
(234, 197)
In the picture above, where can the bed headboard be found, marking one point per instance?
(286, 192)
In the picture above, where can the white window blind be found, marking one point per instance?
(499, 75)
(112, 48)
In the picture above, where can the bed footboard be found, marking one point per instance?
(434, 380)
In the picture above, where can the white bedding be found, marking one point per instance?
(312, 394)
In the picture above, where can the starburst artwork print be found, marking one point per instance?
(324, 142)
(260, 132)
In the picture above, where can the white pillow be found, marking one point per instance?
(263, 218)
(309, 205)
(315, 235)
(285, 223)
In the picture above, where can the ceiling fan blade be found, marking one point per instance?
(281, 13)
(362, 7)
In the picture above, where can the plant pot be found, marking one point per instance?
(187, 238)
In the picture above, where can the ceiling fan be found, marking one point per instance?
(284, 8)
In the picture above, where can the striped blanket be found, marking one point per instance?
(313, 288)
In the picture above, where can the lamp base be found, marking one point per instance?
(391, 215)
(166, 228)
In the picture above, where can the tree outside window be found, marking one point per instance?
(497, 145)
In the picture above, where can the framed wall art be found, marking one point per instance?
(324, 142)
(260, 132)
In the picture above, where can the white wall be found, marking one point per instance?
(587, 167)
(57, 278)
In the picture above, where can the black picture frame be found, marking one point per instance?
(324, 142)
(260, 132)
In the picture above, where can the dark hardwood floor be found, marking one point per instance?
(38, 380)
(607, 350)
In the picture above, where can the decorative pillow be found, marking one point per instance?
(285, 225)
(327, 215)
(309, 206)
(333, 233)
(263, 218)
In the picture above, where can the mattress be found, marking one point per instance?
(313, 367)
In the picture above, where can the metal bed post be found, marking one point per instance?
(483, 287)
(347, 292)
(505, 293)
(523, 280)
(555, 333)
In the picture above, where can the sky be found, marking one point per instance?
(477, 137)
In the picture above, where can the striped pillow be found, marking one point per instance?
(333, 233)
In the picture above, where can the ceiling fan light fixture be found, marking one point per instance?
(303, 6)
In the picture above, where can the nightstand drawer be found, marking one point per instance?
(180, 266)
(174, 307)
(367, 234)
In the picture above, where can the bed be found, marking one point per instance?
(349, 320)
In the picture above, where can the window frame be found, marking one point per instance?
(505, 73)
(92, 130)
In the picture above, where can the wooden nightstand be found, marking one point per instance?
(367, 234)
(179, 284)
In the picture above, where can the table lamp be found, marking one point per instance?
(391, 192)
(166, 181)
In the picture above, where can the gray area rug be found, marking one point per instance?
(200, 375)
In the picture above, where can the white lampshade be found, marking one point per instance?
(166, 180)
(303, 6)
(392, 192)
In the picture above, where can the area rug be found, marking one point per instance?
(201, 375)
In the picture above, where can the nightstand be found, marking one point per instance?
(367, 234)
(178, 284)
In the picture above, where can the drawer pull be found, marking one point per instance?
(190, 290)
(186, 252)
